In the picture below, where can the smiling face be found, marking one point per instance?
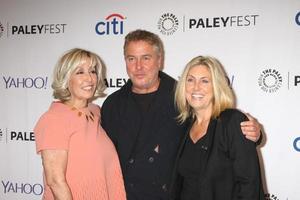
(82, 83)
(143, 64)
(199, 88)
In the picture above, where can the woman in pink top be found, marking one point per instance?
(79, 160)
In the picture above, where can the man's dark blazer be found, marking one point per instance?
(147, 145)
(231, 167)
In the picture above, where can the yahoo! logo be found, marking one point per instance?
(113, 24)
(296, 144)
(25, 82)
(23, 188)
(297, 18)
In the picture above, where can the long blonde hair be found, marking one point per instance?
(223, 94)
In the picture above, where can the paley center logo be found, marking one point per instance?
(16, 135)
(22, 188)
(270, 80)
(113, 24)
(222, 22)
(168, 24)
(37, 82)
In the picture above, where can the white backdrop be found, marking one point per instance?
(257, 41)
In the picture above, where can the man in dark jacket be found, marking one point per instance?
(140, 119)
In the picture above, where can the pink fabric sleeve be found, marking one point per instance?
(51, 132)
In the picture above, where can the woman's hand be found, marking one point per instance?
(251, 129)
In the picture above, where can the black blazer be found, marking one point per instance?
(231, 167)
(147, 145)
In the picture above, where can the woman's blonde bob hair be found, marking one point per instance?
(67, 64)
(223, 96)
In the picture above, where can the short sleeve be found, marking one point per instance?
(51, 132)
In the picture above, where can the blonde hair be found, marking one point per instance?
(222, 93)
(66, 66)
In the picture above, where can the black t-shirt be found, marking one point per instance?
(190, 165)
(144, 101)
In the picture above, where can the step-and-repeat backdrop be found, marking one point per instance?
(257, 41)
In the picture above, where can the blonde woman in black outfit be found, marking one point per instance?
(215, 160)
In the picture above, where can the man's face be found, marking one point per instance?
(142, 64)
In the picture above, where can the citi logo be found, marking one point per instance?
(113, 24)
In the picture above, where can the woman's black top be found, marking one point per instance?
(190, 165)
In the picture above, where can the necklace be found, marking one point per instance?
(88, 116)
